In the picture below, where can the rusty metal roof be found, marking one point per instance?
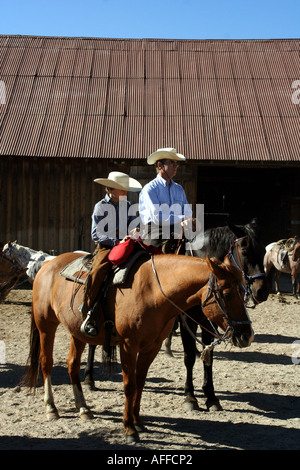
(123, 98)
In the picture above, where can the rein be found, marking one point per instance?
(213, 291)
(239, 265)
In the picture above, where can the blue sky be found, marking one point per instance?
(174, 19)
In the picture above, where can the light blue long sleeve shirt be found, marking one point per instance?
(162, 203)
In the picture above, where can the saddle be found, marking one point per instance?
(78, 270)
(284, 247)
(287, 244)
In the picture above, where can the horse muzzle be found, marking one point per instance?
(243, 339)
(260, 291)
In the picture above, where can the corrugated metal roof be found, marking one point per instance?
(123, 98)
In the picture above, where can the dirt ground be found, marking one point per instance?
(258, 387)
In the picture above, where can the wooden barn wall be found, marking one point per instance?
(46, 204)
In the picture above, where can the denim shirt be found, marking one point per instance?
(110, 221)
(163, 203)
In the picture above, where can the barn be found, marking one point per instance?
(73, 109)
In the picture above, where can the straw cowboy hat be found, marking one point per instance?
(167, 153)
(118, 180)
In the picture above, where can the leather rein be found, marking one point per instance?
(215, 292)
(239, 265)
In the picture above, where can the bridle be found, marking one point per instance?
(238, 263)
(215, 292)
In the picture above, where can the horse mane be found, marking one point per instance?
(219, 237)
(224, 236)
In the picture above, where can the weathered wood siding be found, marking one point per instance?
(46, 203)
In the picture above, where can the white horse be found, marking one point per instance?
(26, 258)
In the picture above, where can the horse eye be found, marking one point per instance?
(227, 295)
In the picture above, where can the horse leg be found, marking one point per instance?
(46, 359)
(212, 401)
(294, 283)
(143, 363)
(189, 347)
(89, 369)
(73, 361)
(128, 361)
(168, 341)
(276, 278)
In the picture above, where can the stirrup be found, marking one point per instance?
(88, 328)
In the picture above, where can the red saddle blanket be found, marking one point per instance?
(121, 252)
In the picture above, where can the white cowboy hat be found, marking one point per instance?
(118, 180)
(167, 153)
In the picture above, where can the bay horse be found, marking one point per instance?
(10, 274)
(143, 312)
(243, 246)
(292, 266)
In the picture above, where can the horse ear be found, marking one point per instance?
(215, 268)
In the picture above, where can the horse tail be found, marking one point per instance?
(31, 375)
(109, 356)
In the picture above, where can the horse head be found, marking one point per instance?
(10, 273)
(247, 253)
(17, 253)
(223, 303)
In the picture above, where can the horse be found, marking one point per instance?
(10, 274)
(26, 258)
(243, 246)
(272, 259)
(143, 311)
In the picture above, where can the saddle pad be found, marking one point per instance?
(120, 273)
(77, 271)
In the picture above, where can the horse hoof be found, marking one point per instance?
(90, 385)
(213, 405)
(52, 416)
(191, 405)
(131, 439)
(86, 415)
(169, 353)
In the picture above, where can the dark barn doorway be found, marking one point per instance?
(242, 193)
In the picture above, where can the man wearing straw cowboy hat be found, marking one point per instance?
(163, 206)
(110, 222)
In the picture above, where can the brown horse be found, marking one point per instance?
(143, 311)
(10, 273)
(272, 259)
